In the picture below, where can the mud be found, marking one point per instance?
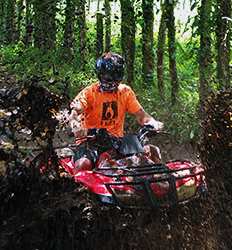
(52, 212)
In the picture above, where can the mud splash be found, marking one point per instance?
(52, 212)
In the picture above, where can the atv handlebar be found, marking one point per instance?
(102, 134)
(148, 129)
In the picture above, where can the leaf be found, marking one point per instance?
(191, 136)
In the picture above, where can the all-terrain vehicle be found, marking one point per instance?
(121, 175)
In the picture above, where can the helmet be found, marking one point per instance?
(110, 71)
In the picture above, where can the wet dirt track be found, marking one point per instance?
(40, 212)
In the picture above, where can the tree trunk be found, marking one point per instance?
(68, 41)
(223, 33)
(172, 50)
(99, 31)
(205, 60)
(51, 27)
(81, 22)
(128, 37)
(20, 8)
(2, 21)
(148, 41)
(107, 25)
(10, 21)
(88, 5)
(28, 23)
(44, 22)
(100, 34)
(160, 54)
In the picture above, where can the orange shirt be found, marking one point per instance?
(107, 110)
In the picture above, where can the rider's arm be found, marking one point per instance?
(77, 109)
(144, 118)
(78, 106)
(76, 124)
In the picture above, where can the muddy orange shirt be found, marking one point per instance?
(107, 110)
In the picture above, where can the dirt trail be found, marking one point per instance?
(55, 214)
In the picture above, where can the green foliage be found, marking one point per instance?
(57, 71)
(26, 62)
(181, 120)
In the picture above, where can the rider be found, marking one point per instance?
(105, 103)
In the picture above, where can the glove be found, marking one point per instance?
(77, 129)
(75, 122)
(75, 104)
(155, 124)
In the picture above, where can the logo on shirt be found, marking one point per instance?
(109, 113)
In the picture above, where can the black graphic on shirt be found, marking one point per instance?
(109, 113)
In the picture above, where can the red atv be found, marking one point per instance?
(119, 177)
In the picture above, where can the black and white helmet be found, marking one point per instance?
(110, 71)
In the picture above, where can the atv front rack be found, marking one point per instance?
(141, 170)
(133, 187)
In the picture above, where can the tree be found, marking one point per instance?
(68, 40)
(107, 25)
(205, 59)
(81, 22)
(160, 52)
(44, 24)
(99, 31)
(169, 5)
(128, 37)
(2, 21)
(19, 11)
(28, 23)
(88, 5)
(223, 33)
(148, 41)
(10, 21)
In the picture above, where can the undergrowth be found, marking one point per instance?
(58, 73)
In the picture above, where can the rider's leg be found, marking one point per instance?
(83, 164)
(83, 159)
(153, 152)
(72, 161)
